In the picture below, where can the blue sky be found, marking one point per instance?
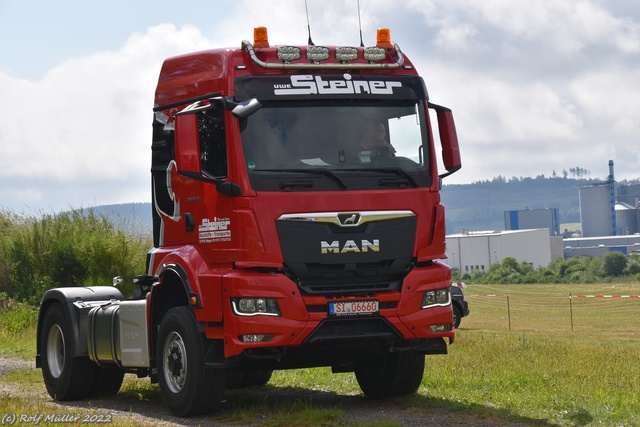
(536, 86)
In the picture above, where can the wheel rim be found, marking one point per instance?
(55, 351)
(175, 370)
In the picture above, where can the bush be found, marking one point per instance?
(633, 265)
(69, 249)
(9, 222)
(15, 317)
(614, 263)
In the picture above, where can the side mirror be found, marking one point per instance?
(448, 139)
(246, 108)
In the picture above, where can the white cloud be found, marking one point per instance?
(493, 110)
(566, 25)
(611, 97)
(534, 86)
(88, 119)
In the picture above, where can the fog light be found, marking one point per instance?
(317, 53)
(440, 328)
(255, 306)
(374, 53)
(346, 54)
(256, 338)
(288, 53)
(437, 298)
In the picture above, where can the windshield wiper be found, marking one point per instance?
(325, 172)
(396, 171)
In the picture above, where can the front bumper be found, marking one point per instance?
(305, 321)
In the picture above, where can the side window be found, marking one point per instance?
(213, 143)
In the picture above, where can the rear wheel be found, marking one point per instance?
(66, 377)
(187, 387)
(400, 373)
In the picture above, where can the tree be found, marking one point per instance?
(633, 265)
(614, 263)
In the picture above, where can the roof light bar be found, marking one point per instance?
(284, 65)
(346, 54)
(288, 53)
(317, 53)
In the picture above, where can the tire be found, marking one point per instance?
(457, 316)
(399, 374)
(244, 379)
(66, 377)
(187, 387)
(107, 381)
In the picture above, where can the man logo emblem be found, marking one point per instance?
(349, 219)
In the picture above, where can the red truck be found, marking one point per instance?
(297, 223)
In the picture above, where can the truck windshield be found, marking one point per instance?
(349, 144)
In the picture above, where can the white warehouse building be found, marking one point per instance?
(477, 250)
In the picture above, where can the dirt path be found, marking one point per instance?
(261, 402)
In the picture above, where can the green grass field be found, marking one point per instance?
(548, 352)
(526, 355)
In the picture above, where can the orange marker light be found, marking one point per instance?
(383, 38)
(193, 301)
(260, 37)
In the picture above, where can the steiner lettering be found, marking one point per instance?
(316, 85)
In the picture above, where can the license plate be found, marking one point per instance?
(353, 308)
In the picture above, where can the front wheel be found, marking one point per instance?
(399, 374)
(66, 377)
(187, 387)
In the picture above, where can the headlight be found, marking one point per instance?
(255, 306)
(439, 297)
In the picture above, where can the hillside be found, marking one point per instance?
(481, 206)
(134, 218)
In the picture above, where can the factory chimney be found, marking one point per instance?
(612, 188)
(610, 179)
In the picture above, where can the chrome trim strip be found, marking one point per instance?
(359, 217)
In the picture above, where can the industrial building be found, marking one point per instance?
(609, 209)
(609, 217)
(533, 218)
(597, 246)
(478, 250)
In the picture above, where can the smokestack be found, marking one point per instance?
(611, 179)
(612, 186)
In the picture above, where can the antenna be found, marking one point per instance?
(359, 25)
(310, 43)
